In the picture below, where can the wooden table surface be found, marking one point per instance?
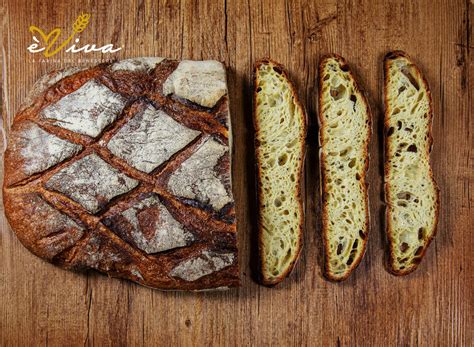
(44, 305)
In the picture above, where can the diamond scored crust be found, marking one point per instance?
(41, 150)
(91, 181)
(87, 110)
(150, 139)
(150, 226)
(197, 179)
(144, 141)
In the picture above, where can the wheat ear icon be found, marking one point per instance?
(78, 26)
(81, 22)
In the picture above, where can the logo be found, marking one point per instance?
(48, 44)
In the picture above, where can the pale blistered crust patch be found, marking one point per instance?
(137, 64)
(202, 82)
(197, 178)
(150, 139)
(39, 149)
(206, 263)
(87, 110)
(91, 182)
(151, 227)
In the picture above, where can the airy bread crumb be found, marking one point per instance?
(280, 124)
(411, 193)
(344, 136)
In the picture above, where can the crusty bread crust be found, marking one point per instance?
(323, 186)
(279, 68)
(388, 227)
(56, 226)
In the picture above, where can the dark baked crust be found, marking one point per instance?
(344, 65)
(61, 230)
(298, 193)
(390, 259)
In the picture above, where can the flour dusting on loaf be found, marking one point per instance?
(150, 226)
(40, 149)
(202, 82)
(206, 263)
(197, 179)
(87, 110)
(119, 168)
(150, 138)
(91, 181)
(137, 64)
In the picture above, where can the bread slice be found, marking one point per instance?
(344, 134)
(280, 131)
(411, 193)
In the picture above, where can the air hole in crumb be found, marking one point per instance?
(390, 131)
(402, 203)
(344, 151)
(362, 234)
(282, 159)
(355, 244)
(277, 202)
(404, 247)
(406, 71)
(345, 67)
(358, 176)
(418, 251)
(286, 212)
(352, 163)
(404, 195)
(403, 260)
(326, 77)
(395, 111)
(351, 259)
(277, 70)
(421, 233)
(399, 125)
(412, 148)
(353, 98)
(339, 249)
(338, 92)
(401, 90)
(259, 89)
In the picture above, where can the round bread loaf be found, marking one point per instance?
(125, 168)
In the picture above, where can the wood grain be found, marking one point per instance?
(44, 305)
